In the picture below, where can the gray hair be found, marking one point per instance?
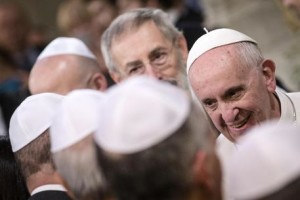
(78, 167)
(132, 20)
(249, 53)
(164, 170)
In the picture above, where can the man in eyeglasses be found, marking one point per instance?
(145, 41)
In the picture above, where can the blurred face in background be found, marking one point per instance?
(14, 27)
(293, 4)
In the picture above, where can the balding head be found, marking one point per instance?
(63, 73)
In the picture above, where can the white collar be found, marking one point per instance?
(288, 111)
(48, 187)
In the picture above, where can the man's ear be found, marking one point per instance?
(99, 82)
(199, 168)
(182, 44)
(268, 70)
(203, 171)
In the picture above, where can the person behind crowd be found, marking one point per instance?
(154, 143)
(267, 165)
(72, 143)
(236, 85)
(162, 55)
(13, 89)
(64, 65)
(73, 20)
(29, 136)
(15, 26)
(12, 183)
(293, 4)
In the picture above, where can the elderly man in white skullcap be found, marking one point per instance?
(64, 65)
(236, 85)
(29, 136)
(267, 165)
(153, 142)
(72, 143)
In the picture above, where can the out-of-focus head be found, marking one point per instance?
(28, 131)
(102, 14)
(14, 25)
(266, 164)
(145, 42)
(64, 65)
(71, 142)
(143, 117)
(73, 20)
(236, 85)
(293, 4)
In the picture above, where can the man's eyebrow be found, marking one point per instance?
(157, 49)
(232, 90)
(133, 63)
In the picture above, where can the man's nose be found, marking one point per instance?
(228, 112)
(151, 71)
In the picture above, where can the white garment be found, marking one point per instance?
(48, 187)
(290, 111)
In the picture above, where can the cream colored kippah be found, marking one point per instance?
(213, 39)
(139, 113)
(66, 45)
(76, 118)
(266, 160)
(32, 118)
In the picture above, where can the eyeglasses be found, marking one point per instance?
(158, 59)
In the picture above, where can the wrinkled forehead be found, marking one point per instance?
(130, 27)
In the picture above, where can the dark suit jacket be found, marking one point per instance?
(50, 195)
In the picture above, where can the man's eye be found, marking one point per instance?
(159, 58)
(135, 70)
(211, 104)
(234, 94)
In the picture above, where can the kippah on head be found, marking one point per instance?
(68, 46)
(139, 113)
(75, 118)
(213, 39)
(32, 118)
(266, 160)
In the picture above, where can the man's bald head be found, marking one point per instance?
(65, 72)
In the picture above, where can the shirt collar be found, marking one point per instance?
(287, 109)
(48, 187)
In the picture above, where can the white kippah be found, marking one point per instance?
(140, 112)
(66, 45)
(32, 118)
(267, 159)
(75, 119)
(213, 39)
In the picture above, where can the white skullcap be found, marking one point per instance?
(32, 118)
(213, 39)
(267, 159)
(75, 119)
(66, 45)
(139, 113)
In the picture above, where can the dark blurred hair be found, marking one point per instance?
(12, 184)
(6, 59)
(31, 157)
